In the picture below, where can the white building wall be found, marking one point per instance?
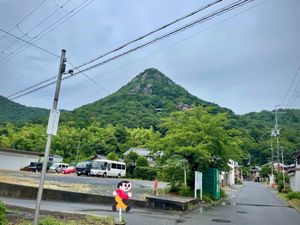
(231, 173)
(12, 161)
(297, 181)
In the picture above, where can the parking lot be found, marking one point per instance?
(71, 182)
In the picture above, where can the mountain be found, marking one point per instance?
(14, 112)
(141, 103)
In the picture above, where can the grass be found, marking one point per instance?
(292, 198)
(24, 216)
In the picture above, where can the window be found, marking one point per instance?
(119, 166)
(114, 166)
(123, 167)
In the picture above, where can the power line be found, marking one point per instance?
(35, 26)
(25, 17)
(44, 32)
(292, 93)
(27, 42)
(187, 26)
(152, 32)
(137, 39)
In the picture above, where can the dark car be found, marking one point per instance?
(83, 168)
(35, 166)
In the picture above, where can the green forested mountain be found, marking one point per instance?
(149, 112)
(258, 126)
(141, 103)
(14, 112)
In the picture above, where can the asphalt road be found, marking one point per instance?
(251, 204)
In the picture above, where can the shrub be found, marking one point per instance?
(185, 191)
(293, 195)
(2, 214)
(145, 173)
(142, 162)
(223, 193)
(49, 221)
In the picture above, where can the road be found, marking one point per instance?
(252, 204)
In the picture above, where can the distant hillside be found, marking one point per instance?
(258, 125)
(14, 112)
(141, 103)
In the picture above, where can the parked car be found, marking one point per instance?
(84, 168)
(70, 169)
(58, 167)
(35, 166)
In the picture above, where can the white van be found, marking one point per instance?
(108, 168)
(58, 167)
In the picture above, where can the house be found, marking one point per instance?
(294, 172)
(141, 152)
(228, 178)
(12, 159)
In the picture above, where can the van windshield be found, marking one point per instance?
(99, 165)
(81, 164)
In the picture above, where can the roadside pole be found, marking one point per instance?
(51, 130)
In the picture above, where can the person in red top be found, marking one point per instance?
(122, 193)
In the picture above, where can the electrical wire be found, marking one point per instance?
(44, 32)
(187, 26)
(25, 17)
(135, 40)
(292, 93)
(152, 32)
(35, 26)
(27, 42)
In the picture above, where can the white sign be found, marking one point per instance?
(53, 122)
(198, 183)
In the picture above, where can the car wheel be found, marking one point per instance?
(104, 175)
(119, 175)
(78, 174)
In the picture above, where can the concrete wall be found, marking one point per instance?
(19, 191)
(15, 161)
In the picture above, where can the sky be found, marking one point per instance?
(245, 60)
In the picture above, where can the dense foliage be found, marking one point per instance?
(13, 112)
(152, 111)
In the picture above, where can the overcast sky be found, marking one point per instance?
(244, 60)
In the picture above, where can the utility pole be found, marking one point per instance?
(275, 133)
(51, 130)
(283, 176)
(272, 157)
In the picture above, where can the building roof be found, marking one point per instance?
(8, 150)
(139, 151)
(295, 154)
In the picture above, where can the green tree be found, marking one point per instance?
(112, 156)
(142, 162)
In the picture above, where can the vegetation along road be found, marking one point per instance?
(252, 204)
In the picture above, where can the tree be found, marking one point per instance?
(199, 137)
(112, 156)
(131, 158)
(142, 162)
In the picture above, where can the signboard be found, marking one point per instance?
(198, 183)
(53, 122)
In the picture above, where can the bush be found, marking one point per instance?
(2, 214)
(223, 193)
(293, 195)
(142, 162)
(185, 191)
(49, 221)
(145, 173)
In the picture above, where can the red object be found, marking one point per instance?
(155, 184)
(122, 194)
(70, 169)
